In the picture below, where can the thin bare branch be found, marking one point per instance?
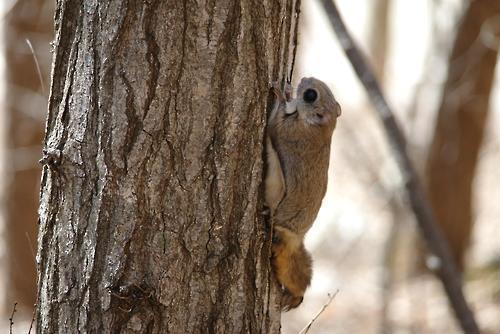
(437, 244)
(32, 319)
(35, 58)
(323, 308)
(11, 319)
(30, 243)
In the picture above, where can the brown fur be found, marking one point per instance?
(299, 135)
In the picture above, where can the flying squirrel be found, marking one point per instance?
(298, 140)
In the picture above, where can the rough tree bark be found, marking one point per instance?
(151, 189)
(23, 125)
(460, 126)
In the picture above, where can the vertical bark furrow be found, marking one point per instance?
(61, 64)
(152, 54)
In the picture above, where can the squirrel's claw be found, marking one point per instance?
(288, 301)
(266, 212)
(284, 95)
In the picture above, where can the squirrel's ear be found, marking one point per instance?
(338, 109)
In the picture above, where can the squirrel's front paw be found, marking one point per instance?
(289, 301)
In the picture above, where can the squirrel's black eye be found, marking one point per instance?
(310, 95)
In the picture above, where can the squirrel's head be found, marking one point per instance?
(315, 104)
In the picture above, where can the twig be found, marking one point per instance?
(295, 17)
(35, 58)
(437, 244)
(11, 319)
(32, 318)
(323, 308)
(31, 246)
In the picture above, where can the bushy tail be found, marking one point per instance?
(292, 265)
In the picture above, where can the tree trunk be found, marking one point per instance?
(460, 127)
(27, 25)
(151, 193)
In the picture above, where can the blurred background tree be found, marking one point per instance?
(28, 31)
(461, 124)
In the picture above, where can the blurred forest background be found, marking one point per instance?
(436, 60)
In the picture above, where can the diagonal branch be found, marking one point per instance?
(437, 244)
(323, 308)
